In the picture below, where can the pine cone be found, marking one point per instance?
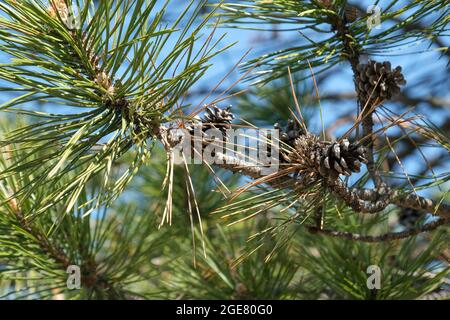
(409, 217)
(327, 159)
(290, 132)
(351, 13)
(214, 118)
(217, 118)
(340, 158)
(377, 82)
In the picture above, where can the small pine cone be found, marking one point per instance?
(378, 82)
(290, 132)
(340, 158)
(217, 118)
(352, 13)
(214, 118)
(409, 217)
(327, 159)
(326, 3)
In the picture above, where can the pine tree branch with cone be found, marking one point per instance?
(125, 72)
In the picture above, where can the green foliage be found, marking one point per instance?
(318, 45)
(406, 273)
(112, 247)
(211, 187)
(111, 71)
(217, 276)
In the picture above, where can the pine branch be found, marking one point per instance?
(352, 52)
(306, 159)
(361, 200)
(383, 237)
(78, 67)
(91, 278)
(352, 39)
(405, 264)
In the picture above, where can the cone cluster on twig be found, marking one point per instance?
(377, 82)
(326, 159)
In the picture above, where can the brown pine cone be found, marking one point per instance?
(377, 82)
(326, 159)
(351, 13)
(340, 158)
(214, 118)
(217, 118)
